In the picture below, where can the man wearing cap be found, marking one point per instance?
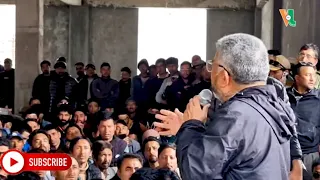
(16, 141)
(62, 86)
(85, 84)
(279, 68)
(197, 66)
(7, 85)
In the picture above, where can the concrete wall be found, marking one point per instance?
(92, 35)
(267, 24)
(224, 22)
(307, 29)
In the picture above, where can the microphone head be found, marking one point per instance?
(205, 97)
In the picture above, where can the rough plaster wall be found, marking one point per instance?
(224, 22)
(56, 32)
(114, 38)
(307, 29)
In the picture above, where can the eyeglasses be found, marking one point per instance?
(276, 64)
(302, 55)
(209, 67)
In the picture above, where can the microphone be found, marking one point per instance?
(205, 97)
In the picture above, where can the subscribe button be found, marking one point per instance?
(14, 162)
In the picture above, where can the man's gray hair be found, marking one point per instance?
(245, 57)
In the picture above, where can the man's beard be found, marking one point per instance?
(80, 73)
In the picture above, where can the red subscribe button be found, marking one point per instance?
(14, 162)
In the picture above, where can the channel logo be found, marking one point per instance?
(15, 162)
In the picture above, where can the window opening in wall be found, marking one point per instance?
(7, 33)
(171, 32)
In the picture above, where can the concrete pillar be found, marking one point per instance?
(114, 38)
(56, 32)
(224, 22)
(267, 24)
(29, 48)
(79, 32)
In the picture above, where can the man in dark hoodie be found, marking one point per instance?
(305, 102)
(84, 89)
(248, 137)
(7, 85)
(124, 88)
(105, 89)
(141, 85)
(40, 89)
(62, 86)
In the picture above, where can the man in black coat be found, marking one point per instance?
(248, 136)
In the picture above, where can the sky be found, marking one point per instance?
(7, 32)
(171, 32)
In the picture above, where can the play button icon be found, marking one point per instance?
(12, 162)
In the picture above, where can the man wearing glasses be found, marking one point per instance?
(248, 137)
(310, 53)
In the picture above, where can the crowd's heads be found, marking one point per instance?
(150, 148)
(45, 66)
(154, 174)
(39, 139)
(240, 60)
(60, 67)
(79, 68)
(106, 128)
(102, 154)
(105, 69)
(305, 75)
(167, 156)
(7, 64)
(185, 69)
(143, 66)
(309, 53)
(90, 70)
(125, 73)
(172, 65)
(71, 174)
(128, 164)
(80, 148)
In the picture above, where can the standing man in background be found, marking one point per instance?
(7, 85)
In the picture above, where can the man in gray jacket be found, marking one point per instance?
(248, 136)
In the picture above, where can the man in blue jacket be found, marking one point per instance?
(248, 137)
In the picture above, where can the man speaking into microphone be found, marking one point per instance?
(247, 136)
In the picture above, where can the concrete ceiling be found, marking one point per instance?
(220, 4)
(230, 4)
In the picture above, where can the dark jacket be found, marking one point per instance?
(61, 87)
(124, 94)
(295, 148)
(106, 90)
(141, 92)
(40, 89)
(246, 138)
(178, 94)
(306, 107)
(82, 89)
(93, 172)
(7, 88)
